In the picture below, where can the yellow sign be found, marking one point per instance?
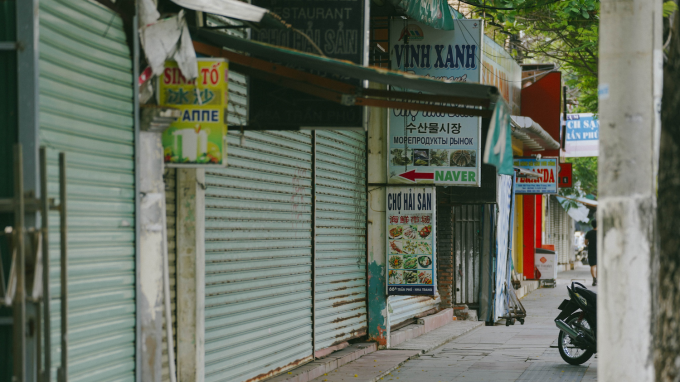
(198, 137)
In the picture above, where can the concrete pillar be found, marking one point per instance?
(152, 237)
(629, 92)
(190, 275)
(378, 317)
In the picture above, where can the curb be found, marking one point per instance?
(441, 336)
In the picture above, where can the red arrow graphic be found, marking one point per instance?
(413, 175)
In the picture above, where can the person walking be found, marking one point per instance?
(591, 242)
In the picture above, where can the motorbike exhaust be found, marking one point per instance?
(563, 326)
(578, 337)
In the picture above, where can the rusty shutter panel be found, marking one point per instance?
(258, 253)
(340, 243)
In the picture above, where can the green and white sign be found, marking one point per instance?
(430, 147)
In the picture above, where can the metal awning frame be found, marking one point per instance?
(445, 97)
(531, 134)
(524, 173)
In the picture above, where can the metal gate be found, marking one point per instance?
(86, 110)
(466, 253)
(258, 251)
(340, 243)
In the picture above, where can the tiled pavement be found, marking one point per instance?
(497, 353)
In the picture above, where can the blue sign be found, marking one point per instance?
(545, 184)
(583, 135)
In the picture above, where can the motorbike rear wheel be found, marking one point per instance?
(570, 354)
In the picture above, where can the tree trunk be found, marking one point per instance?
(667, 331)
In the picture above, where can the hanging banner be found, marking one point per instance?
(498, 149)
(198, 137)
(545, 185)
(411, 241)
(583, 136)
(429, 147)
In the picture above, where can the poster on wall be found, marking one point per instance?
(411, 240)
(198, 137)
(547, 184)
(429, 147)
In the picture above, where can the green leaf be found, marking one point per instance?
(669, 7)
(585, 14)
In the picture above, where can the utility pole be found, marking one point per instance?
(629, 103)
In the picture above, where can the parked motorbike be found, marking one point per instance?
(577, 322)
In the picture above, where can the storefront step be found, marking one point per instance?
(325, 365)
(423, 325)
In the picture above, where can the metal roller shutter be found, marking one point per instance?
(86, 110)
(466, 253)
(258, 272)
(405, 308)
(340, 243)
(170, 178)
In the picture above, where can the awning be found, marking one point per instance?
(524, 173)
(532, 134)
(233, 9)
(442, 96)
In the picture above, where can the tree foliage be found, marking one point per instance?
(561, 32)
(584, 173)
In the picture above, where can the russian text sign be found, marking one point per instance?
(430, 147)
(411, 241)
(198, 137)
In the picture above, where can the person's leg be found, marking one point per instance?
(593, 270)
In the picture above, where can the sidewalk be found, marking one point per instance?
(494, 353)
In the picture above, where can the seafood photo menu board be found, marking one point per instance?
(411, 241)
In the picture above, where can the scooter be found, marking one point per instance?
(577, 321)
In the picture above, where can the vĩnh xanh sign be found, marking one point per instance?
(546, 184)
(431, 147)
(411, 240)
(198, 137)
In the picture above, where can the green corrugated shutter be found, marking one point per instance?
(340, 290)
(86, 110)
(258, 253)
(170, 180)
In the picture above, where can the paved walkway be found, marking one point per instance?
(514, 353)
(489, 353)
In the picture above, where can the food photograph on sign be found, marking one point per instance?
(197, 137)
(431, 147)
(410, 241)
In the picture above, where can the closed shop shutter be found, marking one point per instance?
(340, 264)
(466, 253)
(170, 178)
(86, 110)
(403, 309)
(258, 253)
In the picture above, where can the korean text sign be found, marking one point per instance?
(430, 147)
(197, 138)
(547, 184)
(411, 241)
